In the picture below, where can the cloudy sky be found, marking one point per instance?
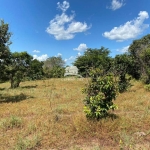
(46, 28)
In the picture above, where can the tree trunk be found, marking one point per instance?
(14, 83)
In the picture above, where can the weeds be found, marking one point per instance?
(147, 87)
(25, 143)
(12, 122)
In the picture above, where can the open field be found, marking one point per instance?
(48, 115)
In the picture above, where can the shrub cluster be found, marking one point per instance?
(101, 92)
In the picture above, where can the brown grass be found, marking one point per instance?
(48, 115)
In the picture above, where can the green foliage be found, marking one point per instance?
(54, 67)
(4, 48)
(24, 143)
(52, 62)
(101, 92)
(124, 83)
(55, 72)
(145, 57)
(19, 67)
(147, 87)
(12, 122)
(140, 51)
(36, 70)
(122, 67)
(93, 58)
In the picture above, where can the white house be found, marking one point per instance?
(72, 70)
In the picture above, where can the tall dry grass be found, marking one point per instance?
(48, 114)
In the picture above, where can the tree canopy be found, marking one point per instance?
(4, 47)
(18, 68)
(54, 67)
(93, 58)
(140, 51)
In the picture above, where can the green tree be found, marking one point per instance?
(54, 67)
(123, 66)
(19, 67)
(4, 48)
(139, 50)
(56, 72)
(36, 70)
(53, 62)
(93, 58)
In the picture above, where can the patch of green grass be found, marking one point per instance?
(147, 87)
(12, 122)
(28, 143)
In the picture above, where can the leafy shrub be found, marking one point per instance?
(101, 91)
(147, 87)
(124, 83)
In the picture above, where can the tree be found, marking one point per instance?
(123, 66)
(19, 67)
(93, 58)
(100, 93)
(56, 72)
(53, 62)
(4, 48)
(139, 50)
(36, 70)
(54, 67)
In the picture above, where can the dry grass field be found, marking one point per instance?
(48, 115)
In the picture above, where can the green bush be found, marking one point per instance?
(147, 87)
(101, 91)
(124, 83)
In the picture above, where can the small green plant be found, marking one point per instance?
(24, 143)
(126, 141)
(12, 122)
(101, 91)
(21, 144)
(147, 87)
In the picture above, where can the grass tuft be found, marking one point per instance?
(12, 122)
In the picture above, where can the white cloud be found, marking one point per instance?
(79, 54)
(81, 47)
(36, 51)
(64, 27)
(71, 58)
(59, 54)
(40, 58)
(124, 49)
(130, 29)
(64, 6)
(116, 4)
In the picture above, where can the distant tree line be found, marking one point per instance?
(135, 62)
(20, 66)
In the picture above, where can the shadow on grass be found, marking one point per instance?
(107, 116)
(13, 99)
(1, 89)
(29, 87)
(113, 116)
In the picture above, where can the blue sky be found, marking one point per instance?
(46, 28)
